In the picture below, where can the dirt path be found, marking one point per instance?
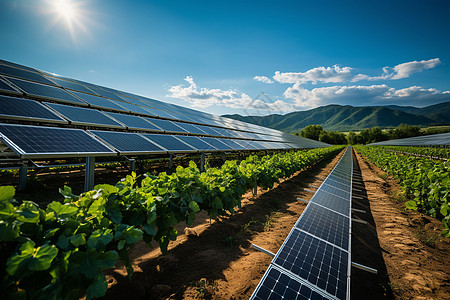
(215, 260)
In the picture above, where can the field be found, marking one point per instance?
(213, 259)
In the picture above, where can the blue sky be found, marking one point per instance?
(247, 57)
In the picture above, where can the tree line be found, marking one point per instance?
(366, 136)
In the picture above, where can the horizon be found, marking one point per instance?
(237, 57)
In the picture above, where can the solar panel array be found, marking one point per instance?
(314, 260)
(42, 113)
(442, 139)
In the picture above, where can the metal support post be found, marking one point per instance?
(310, 191)
(89, 174)
(132, 164)
(261, 249)
(359, 221)
(202, 162)
(358, 210)
(170, 161)
(303, 200)
(22, 177)
(364, 268)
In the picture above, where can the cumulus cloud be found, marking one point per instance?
(264, 79)
(400, 71)
(364, 95)
(315, 75)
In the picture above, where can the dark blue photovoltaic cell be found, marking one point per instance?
(169, 142)
(133, 108)
(24, 109)
(196, 143)
(45, 91)
(6, 88)
(276, 285)
(247, 145)
(325, 224)
(100, 91)
(335, 192)
(128, 143)
(190, 128)
(337, 184)
(158, 113)
(135, 122)
(71, 85)
(19, 73)
(233, 144)
(315, 261)
(39, 141)
(208, 130)
(84, 116)
(216, 143)
(332, 202)
(99, 102)
(167, 126)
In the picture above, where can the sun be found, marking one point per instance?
(65, 9)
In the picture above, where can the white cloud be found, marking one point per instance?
(319, 74)
(401, 71)
(364, 95)
(264, 79)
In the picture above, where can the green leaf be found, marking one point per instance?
(411, 205)
(28, 212)
(35, 259)
(194, 206)
(7, 193)
(62, 211)
(92, 262)
(107, 189)
(9, 231)
(43, 257)
(67, 193)
(129, 233)
(78, 239)
(99, 239)
(150, 229)
(97, 288)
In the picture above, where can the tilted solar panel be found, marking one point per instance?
(134, 122)
(25, 109)
(24, 74)
(47, 92)
(71, 85)
(216, 143)
(6, 88)
(196, 143)
(167, 126)
(99, 102)
(170, 142)
(85, 116)
(40, 142)
(129, 143)
(332, 202)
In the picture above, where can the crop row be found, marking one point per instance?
(429, 152)
(62, 251)
(426, 181)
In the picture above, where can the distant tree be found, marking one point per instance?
(333, 137)
(312, 132)
(405, 131)
(352, 138)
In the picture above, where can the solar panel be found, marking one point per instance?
(325, 224)
(100, 91)
(135, 122)
(315, 261)
(71, 85)
(133, 108)
(129, 143)
(159, 113)
(190, 128)
(247, 145)
(332, 202)
(99, 102)
(84, 116)
(167, 126)
(24, 74)
(6, 88)
(196, 143)
(208, 130)
(233, 144)
(277, 285)
(41, 142)
(216, 143)
(441, 139)
(45, 91)
(169, 142)
(29, 110)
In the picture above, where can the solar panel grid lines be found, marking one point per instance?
(134, 122)
(70, 85)
(169, 142)
(333, 203)
(216, 143)
(326, 224)
(99, 102)
(278, 285)
(196, 143)
(27, 110)
(26, 74)
(441, 139)
(40, 142)
(6, 88)
(45, 92)
(85, 116)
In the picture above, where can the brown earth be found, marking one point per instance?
(213, 259)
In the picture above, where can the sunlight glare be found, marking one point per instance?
(66, 9)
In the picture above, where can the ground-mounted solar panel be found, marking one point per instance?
(315, 261)
(233, 144)
(6, 88)
(335, 192)
(27, 110)
(208, 130)
(127, 143)
(337, 184)
(132, 108)
(18, 66)
(325, 224)
(226, 133)
(24, 74)
(190, 128)
(332, 202)
(196, 143)
(99, 102)
(167, 126)
(135, 122)
(159, 113)
(71, 85)
(216, 143)
(85, 116)
(170, 143)
(49, 142)
(278, 285)
(248, 145)
(42, 91)
(101, 91)
(441, 139)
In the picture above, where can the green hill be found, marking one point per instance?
(344, 118)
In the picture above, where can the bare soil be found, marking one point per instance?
(213, 259)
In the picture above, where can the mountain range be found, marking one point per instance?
(346, 118)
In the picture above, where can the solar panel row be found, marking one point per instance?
(442, 139)
(315, 257)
